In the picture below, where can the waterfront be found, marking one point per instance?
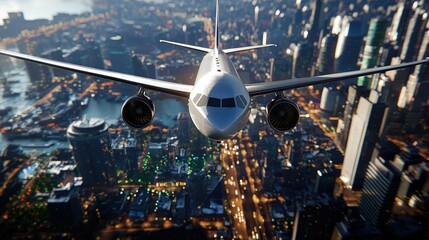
(167, 109)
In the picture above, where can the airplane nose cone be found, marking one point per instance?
(222, 120)
(223, 124)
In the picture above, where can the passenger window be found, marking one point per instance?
(203, 101)
(213, 102)
(228, 102)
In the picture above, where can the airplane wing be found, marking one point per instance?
(282, 85)
(178, 89)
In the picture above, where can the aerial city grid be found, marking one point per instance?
(355, 166)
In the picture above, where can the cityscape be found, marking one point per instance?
(356, 166)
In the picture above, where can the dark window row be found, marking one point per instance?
(202, 100)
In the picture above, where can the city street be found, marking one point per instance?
(243, 188)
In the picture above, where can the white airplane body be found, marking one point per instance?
(219, 102)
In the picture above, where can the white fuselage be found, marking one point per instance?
(219, 104)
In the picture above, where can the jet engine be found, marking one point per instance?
(282, 113)
(138, 111)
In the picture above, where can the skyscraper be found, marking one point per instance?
(414, 35)
(414, 181)
(14, 24)
(87, 54)
(94, 54)
(408, 156)
(55, 54)
(184, 126)
(326, 55)
(353, 96)
(315, 218)
(91, 147)
(325, 182)
(64, 205)
(302, 60)
(353, 227)
(331, 101)
(379, 191)
(399, 22)
(40, 76)
(120, 58)
(125, 153)
(385, 149)
(367, 125)
(316, 21)
(119, 55)
(417, 87)
(348, 46)
(374, 40)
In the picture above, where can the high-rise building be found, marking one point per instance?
(57, 55)
(119, 55)
(415, 180)
(327, 99)
(184, 125)
(353, 227)
(385, 149)
(64, 205)
(91, 147)
(40, 77)
(326, 55)
(367, 125)
(399, 22)
(315, 218)
(325, 182)
(87, 54)
(138, 65)
(408, 156)
(14, 24)
(353, 96)
(125, 153)
(414, 35)
(348, 46)
(371, 52)
(183, 208)
(316, 21)
(120, 58)
(282, 68)
(302, 60)
(94, 54)
(379, 190)
(417, 87)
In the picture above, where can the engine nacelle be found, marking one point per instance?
(282, 114)
(138, 111)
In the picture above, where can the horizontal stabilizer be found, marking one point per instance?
(243, 49)
(201, 49)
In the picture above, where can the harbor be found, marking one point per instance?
(42, 123)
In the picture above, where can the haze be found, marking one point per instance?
(34, 9)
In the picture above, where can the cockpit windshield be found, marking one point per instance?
(202, 100)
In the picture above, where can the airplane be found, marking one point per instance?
(218, 102)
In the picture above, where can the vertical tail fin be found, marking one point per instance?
(216, 47)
